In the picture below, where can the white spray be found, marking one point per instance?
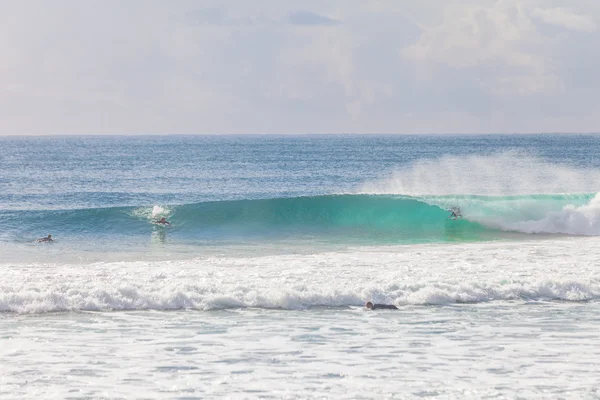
(451, 178)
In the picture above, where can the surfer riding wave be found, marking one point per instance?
(455, 213)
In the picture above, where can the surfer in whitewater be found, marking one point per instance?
(47, 239)
(371, 306)
(162, 221)
(455, 213)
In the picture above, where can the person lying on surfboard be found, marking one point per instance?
(162, 221)
(372, 306)
(47, 239)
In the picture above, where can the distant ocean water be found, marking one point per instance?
(256, 288)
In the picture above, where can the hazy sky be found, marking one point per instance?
(316, 66)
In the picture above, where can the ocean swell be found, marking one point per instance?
(341, 218)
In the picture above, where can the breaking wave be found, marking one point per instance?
(376, 219)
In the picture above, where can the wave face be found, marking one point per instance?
(338, 218)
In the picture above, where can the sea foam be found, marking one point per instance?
(571, 219)
(419, 275)
(106, 296)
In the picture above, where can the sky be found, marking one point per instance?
(310, 66)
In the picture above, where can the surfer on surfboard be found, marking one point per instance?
(47, 239)
(371, 306)
(455, 213)
(162, 221)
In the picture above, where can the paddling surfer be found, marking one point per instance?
(372, 306)
(162, 221)
(47, 239)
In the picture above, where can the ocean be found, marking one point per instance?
(257, 287)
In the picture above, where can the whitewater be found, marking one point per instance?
(257, 288)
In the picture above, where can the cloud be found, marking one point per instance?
(218, 17)
(500, 37)
(207, 16)
(524, 84)
(566, 18)
(307, 18)
(221, 17)
(475, 35)
(264, 67)
(322, 69)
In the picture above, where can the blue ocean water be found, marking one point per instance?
(107, 191)
(257, 287)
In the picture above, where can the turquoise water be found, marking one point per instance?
(367, 219)
(222, 189)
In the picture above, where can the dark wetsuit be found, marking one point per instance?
(384, 307)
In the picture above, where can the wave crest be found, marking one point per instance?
(127, 297)
(372, 219)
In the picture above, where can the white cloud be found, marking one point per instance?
(524, 85)
(324, 65)
(307, 18)
(566, 18)
(231, 66)
(471, 35)
(500, 34)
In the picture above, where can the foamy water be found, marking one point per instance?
(474, 321)
(419, 275)
(538, 350)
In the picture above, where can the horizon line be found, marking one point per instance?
(110, 134)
